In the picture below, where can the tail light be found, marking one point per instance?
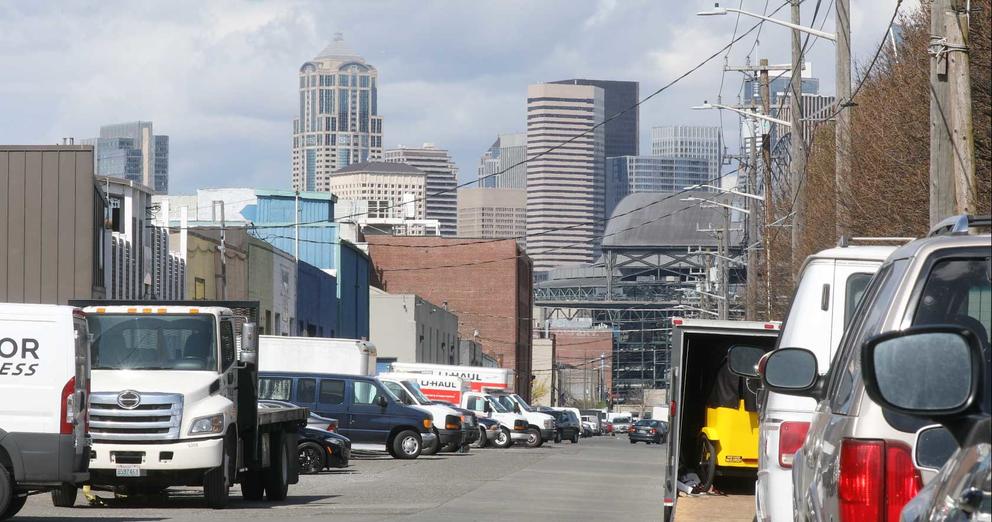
(68, 407)
(631, 429)
(671, 410)
(790, 438)
(653, 431)
(876, 480)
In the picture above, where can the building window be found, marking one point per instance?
(199, 288)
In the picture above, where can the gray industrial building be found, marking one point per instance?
(408, 328)
(52, 217)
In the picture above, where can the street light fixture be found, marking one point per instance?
(748, 114)
(728, 191)
(718, 11)
(717, 203)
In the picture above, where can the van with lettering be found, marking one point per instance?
(44, 387)
(479, 378)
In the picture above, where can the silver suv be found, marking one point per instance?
(861, 462)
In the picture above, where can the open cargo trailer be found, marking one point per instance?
(699, 382)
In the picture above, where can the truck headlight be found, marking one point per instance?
(549, 424)
(208, 424)
(428, 424)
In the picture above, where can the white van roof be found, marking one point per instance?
(859, 253)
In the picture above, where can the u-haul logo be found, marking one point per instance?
(13, 357)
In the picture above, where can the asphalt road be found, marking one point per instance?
(601, 478)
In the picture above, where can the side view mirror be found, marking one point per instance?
(933, 372)
(792, 371)
(249, 344)
(744, 360)
(516, 408)
(381, 401)
(488, 408)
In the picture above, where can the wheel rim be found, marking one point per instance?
(532, 438)
(310, 459)
(501, 438)
(409, 445)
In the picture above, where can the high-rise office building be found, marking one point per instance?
(391, 190)
(132, 151)
(627, 175)
(687, 141)
(565, 186)
(338, 122)
(441, 182)
(502, 165)
(623, 131)
(779, 84)
(492, 213)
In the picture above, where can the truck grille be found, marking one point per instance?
(157, 417)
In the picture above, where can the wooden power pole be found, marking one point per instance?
(766, 180)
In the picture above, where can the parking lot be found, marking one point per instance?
(600, 478)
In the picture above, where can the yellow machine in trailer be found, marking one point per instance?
(728, 440)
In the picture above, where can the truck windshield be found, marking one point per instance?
(497, 406)
(153, 342)
(523, 404)
(505, 401)
(414, 389)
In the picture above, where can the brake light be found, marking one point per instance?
(631, 429)
(876, 480)
(68, 407)
(671, 410)
(653, 431)
(790, 438)
(332, 427)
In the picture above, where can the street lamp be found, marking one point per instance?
(748, 114)
(728, 191)
(717, 203)
(717, 11)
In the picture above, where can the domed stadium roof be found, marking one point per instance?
(660, 219)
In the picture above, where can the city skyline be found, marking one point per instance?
(228, 111)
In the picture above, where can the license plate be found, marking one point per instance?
(128, 470)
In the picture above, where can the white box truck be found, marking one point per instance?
(44, 382)
(479, 378)
(175, 401)
(316, 355)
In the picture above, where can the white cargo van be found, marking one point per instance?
(447, 421)
(316, 355)
(513, 426)
(44, 386)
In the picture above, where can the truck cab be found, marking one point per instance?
(540, 426)
(514, 425)
(447, 421)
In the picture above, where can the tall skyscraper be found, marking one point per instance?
(623, 132)
(565, 186)
(132, 151)
(338, 122)
(502, 165)
(627, 175)
(442, 179)
(686, 141)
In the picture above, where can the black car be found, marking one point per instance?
(321, 449)
(648, 431)
(567, 425)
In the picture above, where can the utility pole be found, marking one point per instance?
(842, 127)
(723, 306)
(751, 307)
(959, 89)
(766, 179)
(221, 248)
(797, 163)
(941, 151)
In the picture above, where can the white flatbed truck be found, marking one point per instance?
(174, 401)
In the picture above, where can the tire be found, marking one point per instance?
(557, 437)
(707, 464)
(503, 439)
(534, 439)
(575, 438)
(434, 447)
(64, 496)
(451, 447)
(276, 478)
(482, 442)
(406, 445)
(311, 457)
(215, 488)
(252, 487)
(633, 441)
(7, 495)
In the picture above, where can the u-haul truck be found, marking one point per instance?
(479, 378)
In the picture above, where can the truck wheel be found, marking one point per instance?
(311, 457)
(215, 488)
(707, 463)
(10, 503)
(575, 438)
(503, 439)
(482, 442)
(277, 476)
(64, 496)
(252, 487)
(407, 445)
(534, 439)
(434, 446)
(557, 437)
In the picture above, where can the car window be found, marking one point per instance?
(364, 392)
(273, 388)
(866, 322)
(306, 390)
(853, 292)
(476, 404)
(331, 391)
(398, 391)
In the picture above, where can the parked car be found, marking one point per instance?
(608, 428)
(830, 285)
(447, 428)
(470, 422)
(648, 431)
(377, 417)
(489, 431)
(621, 424)
(313, 421)
(320, 449)
(940, 374)
(942, 279)
(540, 426)
(588, 427)
(514, 426)
(567, 426)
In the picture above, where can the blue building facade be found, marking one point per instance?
(321, 247)
(316, 302)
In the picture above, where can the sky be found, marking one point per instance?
(220, 77)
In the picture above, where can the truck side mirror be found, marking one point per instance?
(516, 408)
(249, 344)
(744, 360)
(488, 408)
(381, 401)
(792, 371)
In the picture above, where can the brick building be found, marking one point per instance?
(487, 284)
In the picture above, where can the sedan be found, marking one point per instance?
(320, 449)
(648, 431)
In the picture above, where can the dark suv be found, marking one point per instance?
(567, 425)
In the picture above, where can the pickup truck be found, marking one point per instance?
(174, 401)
